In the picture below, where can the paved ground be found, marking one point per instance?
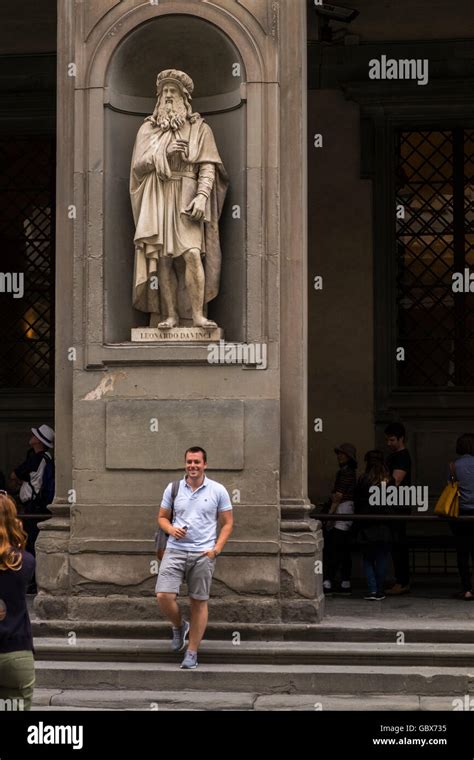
(435, 606)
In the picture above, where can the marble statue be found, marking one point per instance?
(177, 187)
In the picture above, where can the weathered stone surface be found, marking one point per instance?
(152, 700)
(303, 611)
(255, 523)
(57, 708)
(117, 607)
(140, 521)
(52, 572)
(47, 606)
(325, 702)
(262, 429)
(299, 577)
(51, 541)
(447, 703)
(248, 575)
(111, 573)
(42, 697)
(89, 433)
(132, 487)
(303, 543)
(135, 441)
(134, 574)
(124, 699)
(228, 381)
(269, 679)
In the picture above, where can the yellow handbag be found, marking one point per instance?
(448, 502)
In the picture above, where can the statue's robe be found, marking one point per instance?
(161, 187)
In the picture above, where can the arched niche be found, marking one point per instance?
(202, 50)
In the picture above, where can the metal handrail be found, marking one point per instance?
(430, 518)
(345, 516)
(41, 516)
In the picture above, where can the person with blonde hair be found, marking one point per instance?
(17, 669)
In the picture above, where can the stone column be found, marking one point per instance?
(301, 539)
(52, 546)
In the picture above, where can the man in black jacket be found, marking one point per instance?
(399, 466)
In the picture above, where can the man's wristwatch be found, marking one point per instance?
(216, 553)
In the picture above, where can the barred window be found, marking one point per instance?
(27, 167)
(435, 239)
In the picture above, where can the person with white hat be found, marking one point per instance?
(44, 435)
(33, 480)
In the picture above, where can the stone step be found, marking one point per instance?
(260, 653)
(230, 608)
(368, 629)
(96, 699)
(261, 679)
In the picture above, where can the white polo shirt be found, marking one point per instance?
(199, 510)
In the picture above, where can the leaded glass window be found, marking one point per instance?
(27, 167)
(434, 239)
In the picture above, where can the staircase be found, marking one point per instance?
(339, 664)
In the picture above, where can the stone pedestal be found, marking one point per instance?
(177, 335)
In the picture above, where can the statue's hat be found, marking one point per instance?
(184, 81)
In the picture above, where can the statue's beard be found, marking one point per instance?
(171, 116)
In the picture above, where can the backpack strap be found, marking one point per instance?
(174, 493)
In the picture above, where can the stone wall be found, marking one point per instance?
(95, 557)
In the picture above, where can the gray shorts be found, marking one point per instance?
(192, 567)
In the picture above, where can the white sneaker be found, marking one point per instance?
(190, 661)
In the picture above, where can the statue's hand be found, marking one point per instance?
(178, 146)
(197, 208)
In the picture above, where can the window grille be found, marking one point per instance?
(434, 239)
(27, 169)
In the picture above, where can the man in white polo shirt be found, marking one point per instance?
(192, 548)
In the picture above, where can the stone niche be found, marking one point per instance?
(94, 556)
(204, 52)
